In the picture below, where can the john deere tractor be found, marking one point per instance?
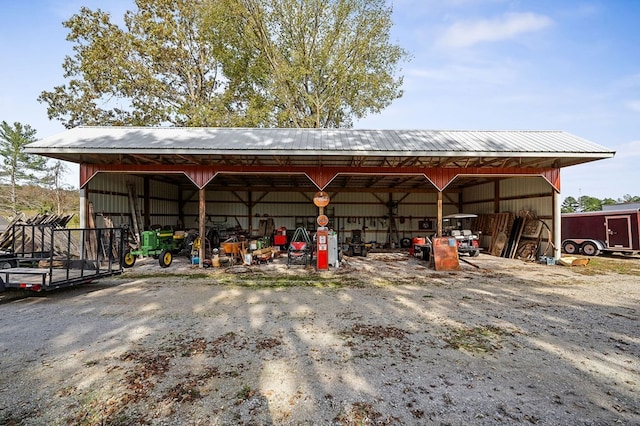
(159, 243)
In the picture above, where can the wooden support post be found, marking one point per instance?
(181, 222)
(146, 203)
(202, 214)
(439, 224)
(135, 212)
(250, 212)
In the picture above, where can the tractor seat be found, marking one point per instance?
(298, 245)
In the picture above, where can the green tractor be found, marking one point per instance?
(159, 243)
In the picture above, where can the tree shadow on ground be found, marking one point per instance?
(471, 346)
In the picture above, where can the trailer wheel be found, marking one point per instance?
(128, 259)
(570, 247)
(6, 264)
(165, 258)
(590, 249)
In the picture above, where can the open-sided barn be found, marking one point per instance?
(391, 184)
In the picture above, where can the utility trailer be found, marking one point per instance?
(47, 257)
(609, 231)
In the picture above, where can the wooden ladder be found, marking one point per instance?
(136, 218)
(393, 237)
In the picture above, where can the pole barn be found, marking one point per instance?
(391, 185)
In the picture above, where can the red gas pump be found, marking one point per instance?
(321, 199)
(322, 241)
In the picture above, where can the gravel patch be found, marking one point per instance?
(383, 340)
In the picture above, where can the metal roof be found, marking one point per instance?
(293, 142)
(265, 156)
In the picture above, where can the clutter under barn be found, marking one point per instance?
(252, 190)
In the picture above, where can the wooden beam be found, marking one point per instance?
(202, 215)
(439, 219)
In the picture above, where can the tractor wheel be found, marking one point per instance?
(165, 258)
(128, 259)
(475, 253)
(214, 238)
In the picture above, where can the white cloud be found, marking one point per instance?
(631, 149)
(507, 26)
(462, 75)
(634, 105)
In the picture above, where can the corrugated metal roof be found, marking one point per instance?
(326, 142)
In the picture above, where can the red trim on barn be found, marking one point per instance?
(320, 176)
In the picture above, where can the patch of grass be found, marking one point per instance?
(137, 276)
(243, 394)
(260, 281)
(603, 265)
(482, 338)
(197, 276)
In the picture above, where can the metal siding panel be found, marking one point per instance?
(523, 186)
(478, 192)
(541, 206)
(427, 197)
(480, 208)
(163, 190)
(218, 196)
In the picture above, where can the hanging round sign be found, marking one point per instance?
(322, 220)
(321, 199)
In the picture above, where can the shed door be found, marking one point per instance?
(618, 231)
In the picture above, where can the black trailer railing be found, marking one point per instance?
(47, 257)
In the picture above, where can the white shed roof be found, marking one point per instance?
(83, 143)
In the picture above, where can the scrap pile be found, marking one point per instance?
(19, 235)
(518, 236)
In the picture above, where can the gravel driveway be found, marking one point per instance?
(382, 340)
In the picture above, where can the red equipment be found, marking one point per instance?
(322, 239)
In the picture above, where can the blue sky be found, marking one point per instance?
(476, 64)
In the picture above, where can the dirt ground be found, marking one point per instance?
(382, 340)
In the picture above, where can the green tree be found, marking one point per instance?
(589, 204)
(19, 167)
(569, 205)
(54, 180)
(320, 63)
(314, 63)
(628, 198)
(161, 69)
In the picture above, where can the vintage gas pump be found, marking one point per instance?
(322, 240)
(321, 199)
